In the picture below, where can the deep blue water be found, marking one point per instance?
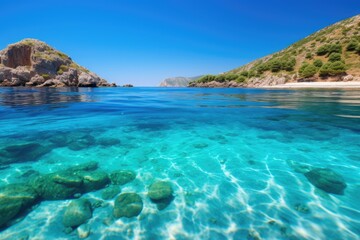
(231, 155)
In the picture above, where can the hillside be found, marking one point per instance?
(331, 54)
(31, 62)
(177, 81)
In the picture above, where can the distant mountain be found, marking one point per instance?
(177, 81)
(31, 62)
(331, 54)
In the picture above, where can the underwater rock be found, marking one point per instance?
(83, 231)
(14, 200)
(127, 205)
(106, 142)
(94, 180)
(110, 192)
(81, 141)
(59, 140)
(300, 207)
(122, 177)
(298, 167)
(49, 188)
(70, 183)
(89, 166)
(161, 193)
(160, 190)
(77, 213)
(22, 153)
(327, 180)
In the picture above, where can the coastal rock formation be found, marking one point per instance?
(327, 180)
(77, 213)
(31, 62)
(177, 81)
(128, 205)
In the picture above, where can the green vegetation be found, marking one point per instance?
(332, 69)
(332, 51)
(45, 76)
(318, 63)
(352, 46)
(334, 57)
(62, 69)
(328, 49)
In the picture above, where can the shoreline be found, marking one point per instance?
(347, 85)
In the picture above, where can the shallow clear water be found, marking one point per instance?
(230, 154)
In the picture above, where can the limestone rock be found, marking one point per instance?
(14, 200)
(327, 180)
(122, 177)
(77, 213)
(24, 62)
(128, 205)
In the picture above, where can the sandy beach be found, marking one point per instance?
(353, 84)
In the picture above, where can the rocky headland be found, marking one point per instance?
(33, 63)
(329, 55)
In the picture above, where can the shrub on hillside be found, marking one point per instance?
(334, 57)
(327, 49)
(241, 79)
(332, 69)
(308, 71)
(206, 78)
(318, 63)
(220, 78)
(352, 46)
(231, 77)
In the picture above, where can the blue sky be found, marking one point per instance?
(142, 41)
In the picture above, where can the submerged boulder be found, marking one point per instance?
(22, 153)
(77, 213)
(327, 180)
(128, 205)
(110, 192)
(15, 199)
(160, 190)
(71, 182)
(122, 177)
(57, 186)
(161, 193)
(94, 180)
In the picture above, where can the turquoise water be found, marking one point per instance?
(230, 154)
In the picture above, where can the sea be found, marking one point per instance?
(238, 160)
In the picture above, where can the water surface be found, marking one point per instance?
(230, 154)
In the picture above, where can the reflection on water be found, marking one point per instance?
(243, 163)
(37, 96)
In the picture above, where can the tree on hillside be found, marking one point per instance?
(352, 46)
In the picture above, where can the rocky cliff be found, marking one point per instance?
(31, 63)
(177, 81)
(330, 54)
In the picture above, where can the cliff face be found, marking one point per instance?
(330, 54)
(31, 62)
(177, 81)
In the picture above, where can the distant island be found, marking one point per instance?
(329, 55)
(177, 81)
(31, 63)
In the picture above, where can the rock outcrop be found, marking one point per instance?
(177, 81)
(32, 63)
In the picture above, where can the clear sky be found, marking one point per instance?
(144, 41)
